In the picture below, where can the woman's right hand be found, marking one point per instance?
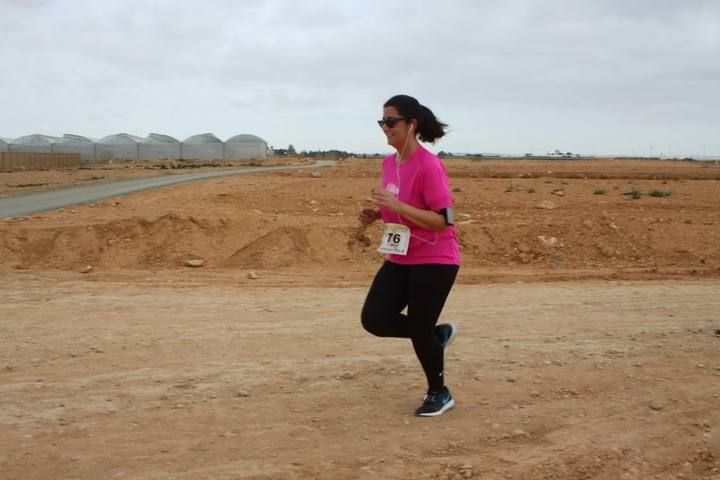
(368, 216)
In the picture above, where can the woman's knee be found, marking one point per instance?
(372, 321)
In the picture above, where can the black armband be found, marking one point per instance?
(448, 214)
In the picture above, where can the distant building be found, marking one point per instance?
(76, 144)
(245, 147)
(121, 146)
(35, 143)
(159, 147)
(205, 146)
(280, 152)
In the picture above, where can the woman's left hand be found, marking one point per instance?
(383, 198)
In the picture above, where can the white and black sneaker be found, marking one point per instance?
(436, 402)
(446, 333)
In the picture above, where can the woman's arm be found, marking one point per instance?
(422, 218)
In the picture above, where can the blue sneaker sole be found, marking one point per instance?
(450, 340)
(444, 409)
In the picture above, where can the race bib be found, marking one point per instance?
(395, 240)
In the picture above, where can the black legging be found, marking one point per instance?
(423, 289)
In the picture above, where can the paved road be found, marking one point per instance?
(44, 201)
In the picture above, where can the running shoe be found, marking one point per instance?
(435, 403)
(446, 333)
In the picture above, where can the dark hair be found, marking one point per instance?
(429, 128)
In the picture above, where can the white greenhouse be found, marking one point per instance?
(159, 147)
(32, 144)
(76, 144)
(123, 146)
(205, 146)
(120, 146)
(245, 147)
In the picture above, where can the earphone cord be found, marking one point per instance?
(397, 173)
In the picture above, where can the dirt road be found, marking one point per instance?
(168, 377)
(587, 301)
(18, 205)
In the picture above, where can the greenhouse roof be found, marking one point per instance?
(120, 138)
(160, 138)
(70, 138)
(35, 139)
(203, 138)
(245, 138)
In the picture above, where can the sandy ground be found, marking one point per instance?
(592, 355)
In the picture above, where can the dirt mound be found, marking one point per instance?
(655, 218)
(170, 240)
(295, 246)
(127, 243)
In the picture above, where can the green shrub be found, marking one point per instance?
(659, 194)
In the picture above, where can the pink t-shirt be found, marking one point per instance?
(421, 182)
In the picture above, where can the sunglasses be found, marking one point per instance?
(390, 121)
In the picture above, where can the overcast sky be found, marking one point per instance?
(632, 77)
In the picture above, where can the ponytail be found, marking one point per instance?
(429, 128)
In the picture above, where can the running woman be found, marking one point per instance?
(422, 254)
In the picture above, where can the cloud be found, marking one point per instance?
(315, 74)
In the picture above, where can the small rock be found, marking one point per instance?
(243, 393)
(466, 471)
(548, 241)
(558, 192)
(656, 405)
(347, 376)
(194, 263)
(457, 190)
(546, 205)
(253, 276)
(315, 175)
(86, 269)
(522, 248)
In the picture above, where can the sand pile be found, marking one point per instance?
(571, 216)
